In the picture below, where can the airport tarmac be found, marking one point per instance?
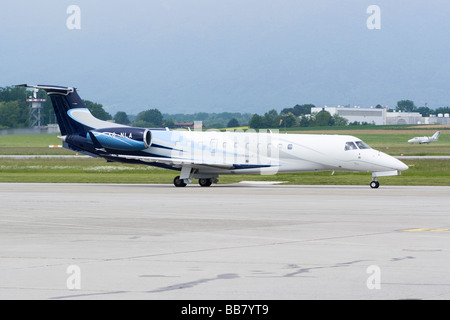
(242, 241)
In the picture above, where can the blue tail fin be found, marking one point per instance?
(64, 99)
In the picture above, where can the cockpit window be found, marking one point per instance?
(362, 145)
(350, 146)
(355, 145)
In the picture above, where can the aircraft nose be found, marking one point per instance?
(393, 163)
(400, 165)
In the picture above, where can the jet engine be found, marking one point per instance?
(125, 139)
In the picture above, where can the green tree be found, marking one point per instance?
(15, 111)
(169, 123)
(442, 110)
(201, 116)
(14, 94)
(149, 118)
(339, 121)
(287, 110)
(406, 106)
(299, 110)
(424, 111)
(322, 119)
(303, 109)
(12, 115)
(289, 120)
(121, 117)
(215, 125)
(257, 122)
(233, 123)
(272, 119)
(304, 121)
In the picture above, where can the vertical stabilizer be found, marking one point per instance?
(436, 136)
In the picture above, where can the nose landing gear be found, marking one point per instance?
(374, 184)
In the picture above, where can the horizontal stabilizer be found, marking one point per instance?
(50, 89)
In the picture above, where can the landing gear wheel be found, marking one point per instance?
(205, 182)
(374, 184)
(178, 182)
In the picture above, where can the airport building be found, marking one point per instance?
(380, 116)
(441, 119)
(394, 118)
(369, 115)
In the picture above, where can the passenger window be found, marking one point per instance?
(289, 146)
(350, 146)
(213, 146)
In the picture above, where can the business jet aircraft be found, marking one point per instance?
(206, 155)
(427, 140)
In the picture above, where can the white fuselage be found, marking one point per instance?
(421, 140)
(270, 153)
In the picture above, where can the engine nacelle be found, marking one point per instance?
(126, 138)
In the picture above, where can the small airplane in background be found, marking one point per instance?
(426, 140)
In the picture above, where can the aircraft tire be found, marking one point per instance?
(374, 184)
(205, 182)
(178, 182)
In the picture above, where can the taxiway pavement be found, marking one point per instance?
(242, 241)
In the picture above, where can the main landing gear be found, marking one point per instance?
(204, 182)
(179, 182)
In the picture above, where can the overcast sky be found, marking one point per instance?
(230, 55)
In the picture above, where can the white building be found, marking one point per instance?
(382, 117)
(416, 118)
(441, 119)
(393, 118)
(369, 115)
